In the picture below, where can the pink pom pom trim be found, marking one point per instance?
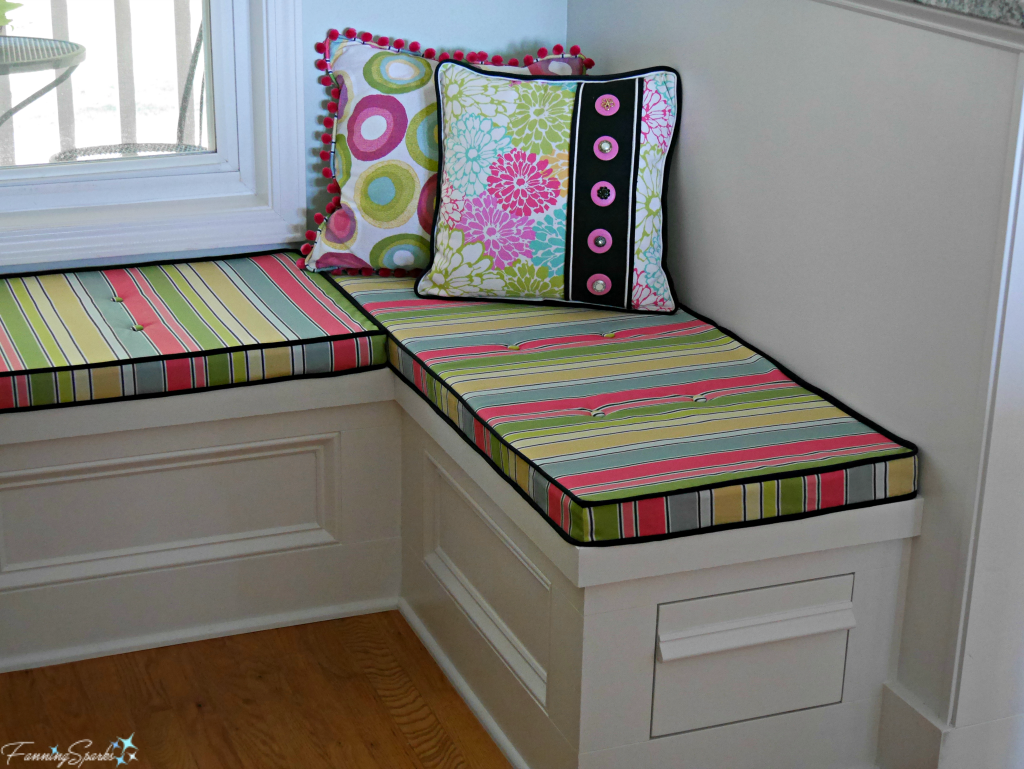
(398, 44)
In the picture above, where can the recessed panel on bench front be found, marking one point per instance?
(751, 654)
(499, 588)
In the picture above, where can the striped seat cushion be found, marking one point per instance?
(624, 427)
(92, 335)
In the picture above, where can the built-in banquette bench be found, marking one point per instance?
(526, 443)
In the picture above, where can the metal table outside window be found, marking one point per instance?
(34, 54)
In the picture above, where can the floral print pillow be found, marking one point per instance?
(507, 226)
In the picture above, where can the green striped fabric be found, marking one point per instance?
(620, 427)
(90, 335)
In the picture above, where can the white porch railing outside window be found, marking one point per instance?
(142, 89)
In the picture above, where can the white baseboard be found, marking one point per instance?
(462, 687)
(200, 633)
(909, 736)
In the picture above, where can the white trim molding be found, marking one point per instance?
(249, 194)
(944, 22)
(754, 631)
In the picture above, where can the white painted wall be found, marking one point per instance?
(510, 29)
(840, 200)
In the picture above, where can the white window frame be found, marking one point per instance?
(249, 194)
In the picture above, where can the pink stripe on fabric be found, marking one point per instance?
(136, 304)
(634, 398)
(833, 488)
(811, 490)
(10, 352)
(179, 374)
(733, 461)
(306, 295)
(652, 517)
(165, 313)
(7, 399)
(628, 519)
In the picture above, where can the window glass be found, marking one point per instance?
(84, 80)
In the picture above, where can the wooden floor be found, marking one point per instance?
(350, 693)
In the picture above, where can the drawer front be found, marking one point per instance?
(737, 656)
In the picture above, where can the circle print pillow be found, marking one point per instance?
(380, 151)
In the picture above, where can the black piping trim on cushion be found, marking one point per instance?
(553, 78)
(621, 541)
(194, 390)
(707, 487)
(196, 354)
(585, 503)
(175, 356)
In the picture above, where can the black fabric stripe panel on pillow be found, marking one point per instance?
(603, 186)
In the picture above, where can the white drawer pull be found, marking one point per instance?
(752, 631)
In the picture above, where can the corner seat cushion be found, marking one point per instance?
(159, 329)
(620, 428)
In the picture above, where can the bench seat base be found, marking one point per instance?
(560, 657)
(140, 524)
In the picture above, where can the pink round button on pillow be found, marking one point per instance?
(606, 148)
(599, 241)
(607, 105)
(599, 284)
(603, 194)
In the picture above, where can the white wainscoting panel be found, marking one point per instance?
(500, 589)
(95, 510)
(155, 535)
